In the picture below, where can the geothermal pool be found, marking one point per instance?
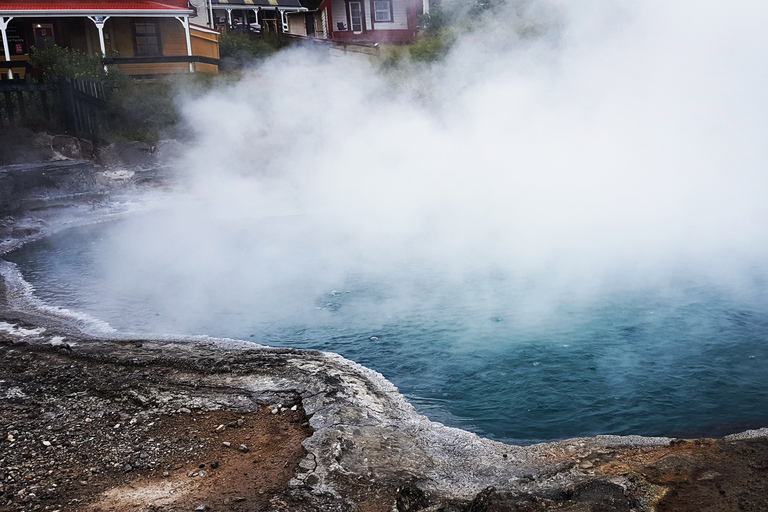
(475, 352)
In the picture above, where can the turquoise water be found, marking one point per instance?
(685, 358)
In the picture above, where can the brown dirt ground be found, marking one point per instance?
(73, 437)
(217, 476)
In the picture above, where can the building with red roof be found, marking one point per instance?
(139, 37)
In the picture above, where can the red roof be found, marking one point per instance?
(91, 5)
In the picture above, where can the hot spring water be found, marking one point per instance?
(685, 358)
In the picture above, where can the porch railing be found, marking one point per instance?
(163, 59)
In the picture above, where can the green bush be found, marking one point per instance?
(57, 61)
(242, 48)
(432, 47)
(144, 110)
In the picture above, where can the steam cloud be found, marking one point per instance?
(576, 145)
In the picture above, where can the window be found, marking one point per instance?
(356, 16)
(382, 10)
(147, 38)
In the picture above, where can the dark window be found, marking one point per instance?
(356, 16)
(147, 38)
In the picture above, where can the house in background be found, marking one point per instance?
(255, 16)
(359, 21)
(140, 37)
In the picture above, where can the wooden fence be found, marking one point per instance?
(72, 104)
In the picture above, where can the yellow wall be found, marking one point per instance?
(204, 44)
(122, 36)
(173, 42)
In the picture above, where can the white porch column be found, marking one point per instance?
(210, 14)
(229, 18)
(99, 22)
(256, 12)
(3, 28)
(283, 20)
(425, 6)
(185, 23)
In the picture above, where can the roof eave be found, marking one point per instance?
(27, 13)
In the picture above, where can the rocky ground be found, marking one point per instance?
(74, 440)
(109, 422)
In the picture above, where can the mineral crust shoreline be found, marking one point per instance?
(108, 421)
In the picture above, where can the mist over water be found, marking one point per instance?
(577, 183)
(588, 145)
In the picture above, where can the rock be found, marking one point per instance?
(184, 410)
(220, 428)
(42, 139)
(86, 149)
(202, 506)
(125, 153)
(67, 146)
(243, 448)
(227, 444)
(167, 150)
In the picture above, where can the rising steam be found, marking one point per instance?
(578, 145)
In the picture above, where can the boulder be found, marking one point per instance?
(125, 153)
(67, 146)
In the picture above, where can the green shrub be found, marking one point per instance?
(432, 47)
(144, 110)
(242, 48)
(57, 61)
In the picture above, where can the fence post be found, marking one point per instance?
(8, 103)
(67, 96)
(44, 100)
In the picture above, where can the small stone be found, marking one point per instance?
(117, 426)
(202, 506)
(243, 448)
(220, 428)
(166, 474)
(227, 444)
(9, 437)
(127, 467)
(294, 407)
(240, 422)
(275, 410)
(46, 443)
(88, 420)
(184, 410)
(238, 498)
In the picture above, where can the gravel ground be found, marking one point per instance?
(81, 436)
